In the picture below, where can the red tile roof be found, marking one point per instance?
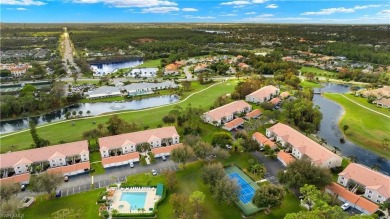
(171, 67)
(234, 123)
(370, 178)
(353, 198)
(116, 141)
(284, 95)
(70, 168)
(286, 157)
(275, 100)
(43, 154)
(120, 158)
(253, 114)
(262, 139)
(16, 178)
(317, 153)
(264, 92)
(228, 109)
(166, 149)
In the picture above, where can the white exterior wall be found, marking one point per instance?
(84, 157)
(280, 140)
(57, 162)
(374, 196)
(104, 153)
(332, 162)
(155, 143)
(268, 133)
(176, 140)
(296, 153)
(342, 181)
(128, 148)
(21, 168)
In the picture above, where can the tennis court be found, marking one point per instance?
(247, 189)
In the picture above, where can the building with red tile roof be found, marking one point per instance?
(226, 113)
(263, 94)
(21, 179)
(275, 100)
(253, 114)
(171, 69)
(233, 124)
(284, 95)
(262, 140)
(126, 143)
(165, 151)
(67, 155)
(120, 159)
(354, 200)
(384, 102)
(303, 146)
(285, 158)
(376, 184)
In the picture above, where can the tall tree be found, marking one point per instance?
(7, 190)
(221, 139)
(38, 141)
(45, 182)
(182, 154)
(213, 173)
(196, 200)
(178, 202)
(226, 191)
(268, 196)
(301, 172)
(116, 125)
(170, 177)
(202, 149)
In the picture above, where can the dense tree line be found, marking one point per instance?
(32, 101)
(353, 51)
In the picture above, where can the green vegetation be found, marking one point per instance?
(154, 63)
(318, 72)
(69, 133)
(366, 128)
(308, 84)
(83, 203)
(363, 101)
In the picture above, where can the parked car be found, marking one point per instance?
(58, 193)
(131, 164)
(23, 187)
(345, 206)
(154, 172)
(66, 178)
(164, 158)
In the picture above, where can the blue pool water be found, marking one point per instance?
(136, 199)
(246, 190)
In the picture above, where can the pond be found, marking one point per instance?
(94, 108)
(329, 129)
(108, 68)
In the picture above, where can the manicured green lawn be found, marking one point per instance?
(64, 130)
(95, 156)
(98, 167)
(150, 64)
(290, 204)
(309, 84)
(366, 128)
(84, 203)
(318, 72)
(363, 101)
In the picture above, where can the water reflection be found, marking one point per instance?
(329, 129)
(94, 108)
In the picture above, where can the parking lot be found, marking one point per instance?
(273, 166)
(83, 182)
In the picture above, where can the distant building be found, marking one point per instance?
(226, 113)
(143, 72)
(145, 88)
(285, 158)
(262, 140)
(235, 123)
(103, 92)
(16, 70)
(171, 69)
(253, 114)
(264, 94)
(384, 102)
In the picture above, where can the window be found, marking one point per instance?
(53, 161)
(369, 192)
(20, 171)
(378, 201)
(60, 159)
(26, 165)
(342, 177)
(54, 164)
(330, 162)
(379, 196)
(368, 196)
(18, 167)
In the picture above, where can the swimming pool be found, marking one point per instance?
(135, 199)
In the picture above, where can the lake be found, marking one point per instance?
(108, 68)
(329, 129)
(94, 108)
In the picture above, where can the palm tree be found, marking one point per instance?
(376, 167)
(353, 159)
(80, 112)
(67, 115)
(88, 112)
(74, 113)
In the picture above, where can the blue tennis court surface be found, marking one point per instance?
(246, 190)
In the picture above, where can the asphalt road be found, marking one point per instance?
(273, 166)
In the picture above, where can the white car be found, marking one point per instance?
(154, 172)
(164, 158)
(345, 206)
(131, 164)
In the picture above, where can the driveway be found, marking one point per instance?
(273, 166)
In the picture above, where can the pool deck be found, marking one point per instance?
(150, 199)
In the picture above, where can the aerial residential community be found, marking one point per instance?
(195, 109)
